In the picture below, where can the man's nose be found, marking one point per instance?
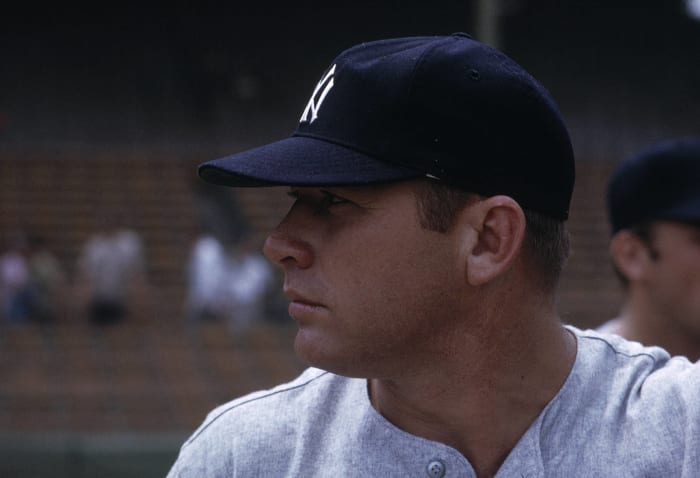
(286, 251)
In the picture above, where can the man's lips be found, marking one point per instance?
(300, 304)
(296, 296)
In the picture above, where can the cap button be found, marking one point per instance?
(462, 34)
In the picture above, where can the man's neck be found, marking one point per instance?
(484, 402)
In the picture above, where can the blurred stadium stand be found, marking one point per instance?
(80, 398)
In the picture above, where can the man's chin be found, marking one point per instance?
(316, 351)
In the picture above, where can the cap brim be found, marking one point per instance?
(302, 161)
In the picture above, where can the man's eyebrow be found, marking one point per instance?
(363, 189)
(297, 192)
(302, 190)
(361, 193)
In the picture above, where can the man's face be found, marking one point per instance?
(370, 290)
(673, 276)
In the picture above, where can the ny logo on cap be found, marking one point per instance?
(314, 104)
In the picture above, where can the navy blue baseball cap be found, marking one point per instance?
(444, 107)
(661, 182)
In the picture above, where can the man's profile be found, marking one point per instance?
(654, 212)
(431, 182)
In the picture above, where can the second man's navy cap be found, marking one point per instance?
(445, 107)
(660, 182)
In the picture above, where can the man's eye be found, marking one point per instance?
(321, 203)
(330, 199)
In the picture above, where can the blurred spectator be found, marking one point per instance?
(250, 278)
(16, 296)
(654, 210)
(227, 283)
(111, 270)
(206, 276)
(47, 279)
(228, 278)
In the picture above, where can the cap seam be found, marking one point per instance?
(420, 60)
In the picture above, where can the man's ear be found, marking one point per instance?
(630, 255)
(496, 234)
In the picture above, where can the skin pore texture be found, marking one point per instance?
(662, 297)
(458, 346)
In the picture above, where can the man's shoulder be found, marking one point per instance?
(278, 407)
(630, 367)
(623, 399)
(602, 342)
(261, 432)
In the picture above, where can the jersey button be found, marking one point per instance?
(436, 469)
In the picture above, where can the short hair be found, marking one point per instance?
(546, 240)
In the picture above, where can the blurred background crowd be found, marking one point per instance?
(133, 297)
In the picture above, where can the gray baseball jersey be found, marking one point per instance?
(624, 411)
